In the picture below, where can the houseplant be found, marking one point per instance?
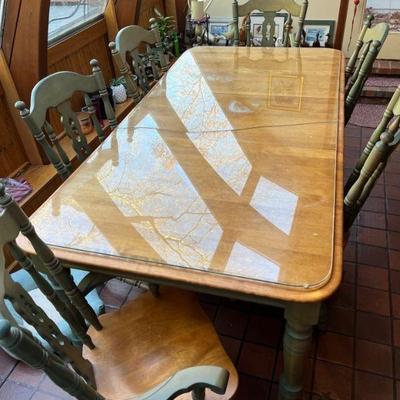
(169, 36)
(119, 90)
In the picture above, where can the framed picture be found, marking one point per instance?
(256, 27)
(257, 31)
(219, 26)
(385, 11)
(319, 33)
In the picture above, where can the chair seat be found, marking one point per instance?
(150, 339)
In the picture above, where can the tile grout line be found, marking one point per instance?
(353, 373)
(9, 374)
(276, 359)
(393, 348)
(242, 340)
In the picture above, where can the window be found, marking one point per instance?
(68, 15)
(385, 11)
(2, 11)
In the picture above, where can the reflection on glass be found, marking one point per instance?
(247, 263)
(202, 114)
(275, 204)
(223, 153)
(162, 204)
(285, 92)
(192, 99)
(238, 108)
(78, 230)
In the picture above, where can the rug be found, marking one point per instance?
(387, 81)
(367, 115)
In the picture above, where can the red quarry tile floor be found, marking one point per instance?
(356, 350)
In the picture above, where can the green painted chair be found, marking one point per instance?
(129, 41)
(392, 110)
(152, 348)
(374, 158)
(55, 92)
(269, 9)
(360, 64)
(44, 282)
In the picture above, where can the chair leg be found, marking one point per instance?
(153, 288)
(199, 394)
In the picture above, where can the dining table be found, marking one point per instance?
(226, 179)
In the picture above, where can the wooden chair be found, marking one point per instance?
(374, 158)
(129, 40)
(362, 60)
(270, 8)
(392, 110)
(152, 348)
(43, 278)
(55, 92)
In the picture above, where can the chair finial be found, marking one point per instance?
(95, 65)
(377, 44)
(112, 46)
(21, 106)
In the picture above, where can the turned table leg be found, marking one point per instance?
(300, 319)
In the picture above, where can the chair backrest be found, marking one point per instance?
(373, 161)
(269, 9)
(128, 41)
(55, 92)
(73, 306)
(23, 346)
(392, 110)
(360, 64)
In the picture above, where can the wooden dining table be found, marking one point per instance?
(227, 178)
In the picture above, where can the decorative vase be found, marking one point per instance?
(119, 93)
(85, 121)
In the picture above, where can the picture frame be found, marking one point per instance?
(219, 26)
(256, 26)
(321, 29)
(384, 12)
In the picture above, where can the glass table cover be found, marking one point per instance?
(225, 88)
(229, 166)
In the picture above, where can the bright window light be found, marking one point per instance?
(2, 10)
(66, 16)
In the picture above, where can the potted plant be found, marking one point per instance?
(169, 36)
(119, 90)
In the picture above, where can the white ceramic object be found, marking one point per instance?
(119, 93)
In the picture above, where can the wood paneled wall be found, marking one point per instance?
(139, 12)
(12, 153)
(146, 11)
(75, 53)
(25, 42)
